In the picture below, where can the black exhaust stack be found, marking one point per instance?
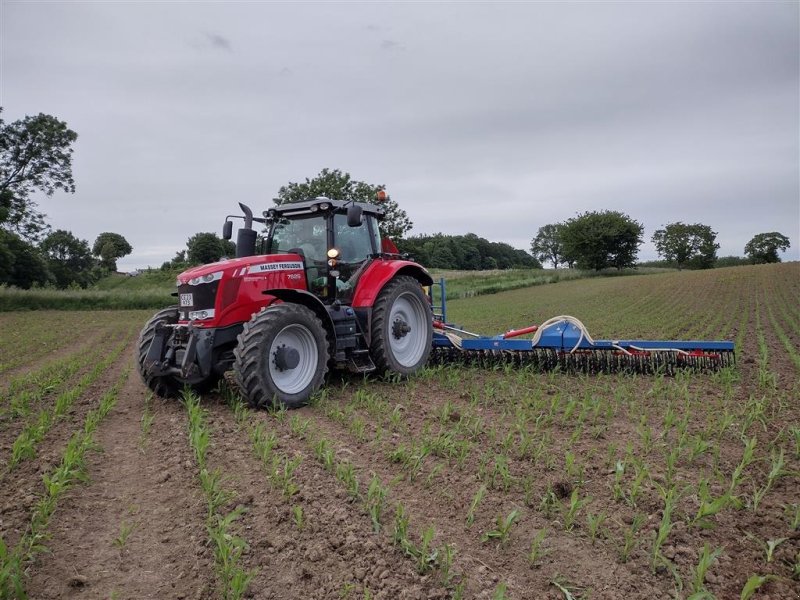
(246, 237)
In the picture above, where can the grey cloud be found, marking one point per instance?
(494, 118)
(218, 41)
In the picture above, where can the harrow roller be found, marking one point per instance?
(564, 344)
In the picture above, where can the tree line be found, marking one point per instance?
(601, 239)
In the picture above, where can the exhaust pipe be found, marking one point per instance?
(246, 237)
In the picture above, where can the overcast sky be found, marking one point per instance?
(488, 118)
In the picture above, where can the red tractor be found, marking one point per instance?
(321, 292)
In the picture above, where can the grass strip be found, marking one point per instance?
(24, 447)
(71, 470)
(228, 548)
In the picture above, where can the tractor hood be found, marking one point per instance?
(238, 267)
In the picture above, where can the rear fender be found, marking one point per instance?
(379, 273)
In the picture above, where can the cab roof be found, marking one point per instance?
(309, 207)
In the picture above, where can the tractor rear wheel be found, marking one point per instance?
(163, 386)
(281, 356)
(402, 329)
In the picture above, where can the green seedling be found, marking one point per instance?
(536, 552)
(630, 537)
(346, 473)
(707, 557)
(298, 516)
(476, 500)
(125, 531)
(298, 426)
(595, 523)
(500, 592)
(571, 511)
(503, 529)
(376, 496)
(400, 533)
(775, 473)
(754, 583)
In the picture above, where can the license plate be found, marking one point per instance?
(187, 300)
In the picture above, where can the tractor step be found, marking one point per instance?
(359, 361)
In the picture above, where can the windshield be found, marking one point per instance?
(306, 236)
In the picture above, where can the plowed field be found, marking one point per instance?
(459, 483)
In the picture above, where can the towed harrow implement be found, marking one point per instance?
(563, 343)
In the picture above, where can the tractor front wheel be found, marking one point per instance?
(163, 386)
(281, 356)
(402, 328)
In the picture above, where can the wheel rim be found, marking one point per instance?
(294, 380)
(408, 346)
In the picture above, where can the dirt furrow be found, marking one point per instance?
(143, 509)
(21, 486)
(334, 554)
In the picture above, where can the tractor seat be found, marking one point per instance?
(312, 272)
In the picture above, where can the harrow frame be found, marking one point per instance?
(563, 342)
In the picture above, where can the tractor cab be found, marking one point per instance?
(335, 239)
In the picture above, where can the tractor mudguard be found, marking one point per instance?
(378, 275)
(308, 300)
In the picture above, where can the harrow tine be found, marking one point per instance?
(591, 362)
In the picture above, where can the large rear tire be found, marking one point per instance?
(165, 387)
(281, 357)
(402, 327)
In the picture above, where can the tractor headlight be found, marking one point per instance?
(314, 208)
(333, 253)
(324, 206)
(208, 278)
(331, 262)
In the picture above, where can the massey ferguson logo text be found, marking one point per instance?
(277, 266)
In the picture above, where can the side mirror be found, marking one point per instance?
(227, 230)
(354, 216)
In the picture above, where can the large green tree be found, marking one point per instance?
(692, 246)
(597, 240)
(21, 263)
(763, 248)
(68, 258)
(547, 245)
(35, 155)
(337, 185)
(204, 248)
(109, 247)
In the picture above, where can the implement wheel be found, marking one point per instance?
(281, 357)
(165, 387)
(402, 328)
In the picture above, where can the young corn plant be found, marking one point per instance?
(476, 500)
(769, 546)
(631, 538)
(698, 584)
(709, 506)
(298, 516)
(324, 454)
(747, 459)
(503, 529)
(376, 497)
(753, 583)
(536, 551)
(596, 523)
(571, 511)
(125, 531)
(775, 473)
(664, 528)
(346, 473)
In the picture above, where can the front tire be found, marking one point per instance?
(402, 329)
(165, 387)
(281, 356)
